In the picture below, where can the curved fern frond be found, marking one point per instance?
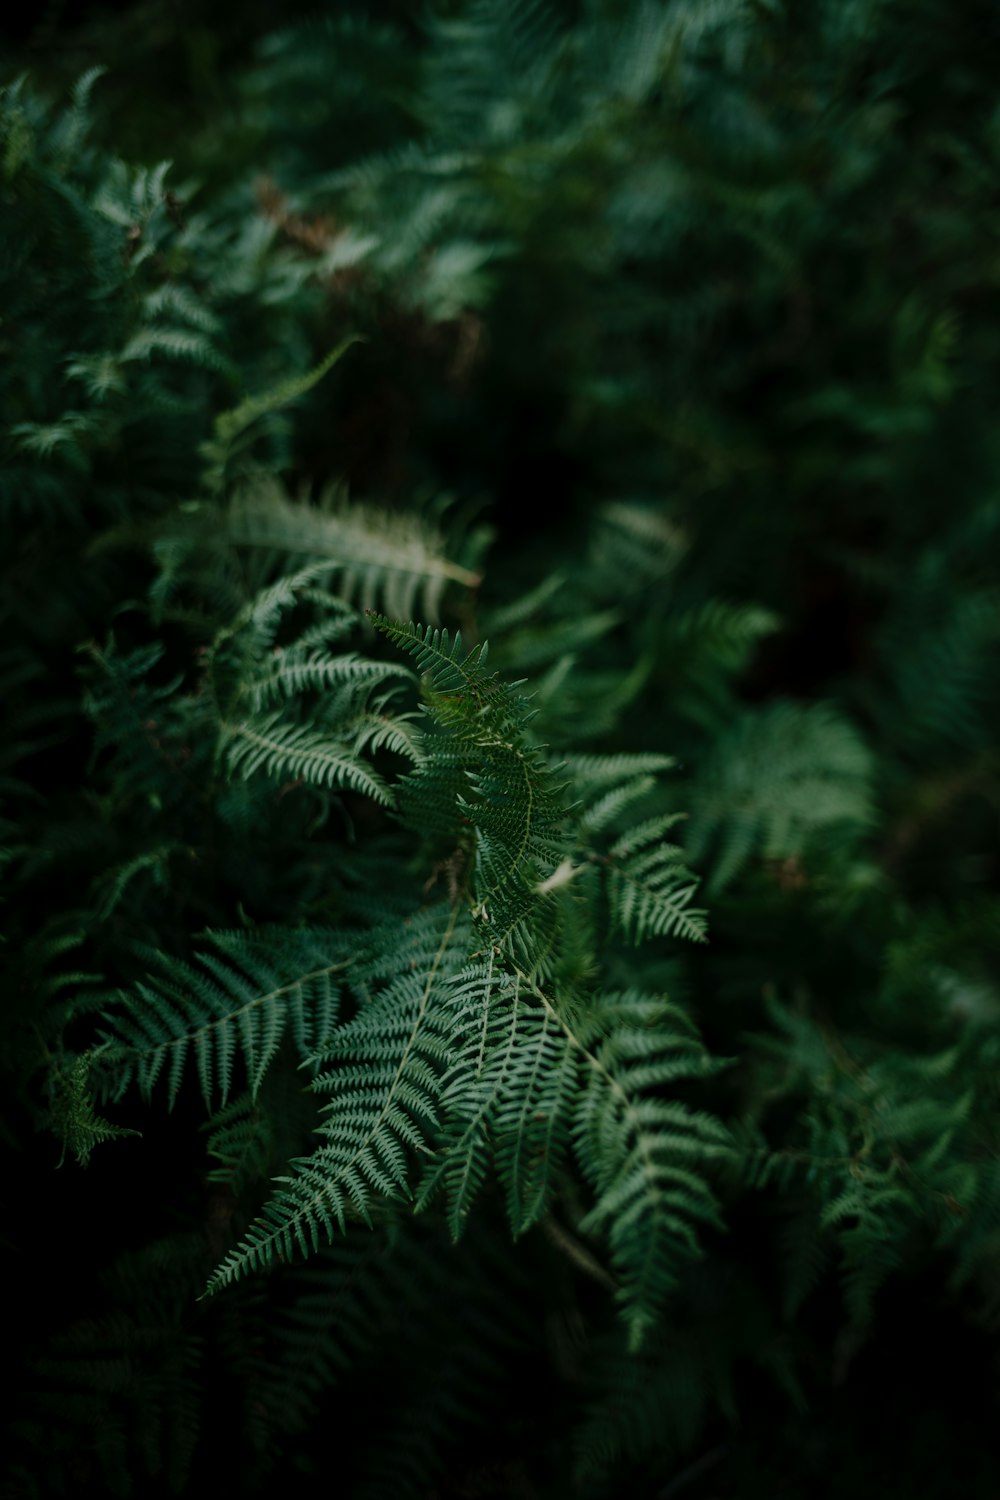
(298, 752)
(488, 777)
(456, 675)
(231, 425)
(394, 559)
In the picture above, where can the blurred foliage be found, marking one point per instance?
(652, 341)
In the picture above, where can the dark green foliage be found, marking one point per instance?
(498, 565)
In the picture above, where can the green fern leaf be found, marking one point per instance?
(236, 1002)
(649, 888)
(384, 1106)
(276, 748)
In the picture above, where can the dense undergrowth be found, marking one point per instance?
(500, 775)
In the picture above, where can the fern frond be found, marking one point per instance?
(488, 777)
(245, 667)
(650, 889)
(236, 1003)
(774, 781)
(238, 1137)
(254, 627)
(451, 670)
(74, 1118)
(177, 300)
(506, 1100)
(293, 671)
(534, 1118)
(63, 437)
(485, 1012)
(183, 344)
(272, 746)
(231, 425)
(645, 1155)
(495, 54)
(70, 128)
(396, 560)
(634, 544)
(384, 1106)
(111, 887)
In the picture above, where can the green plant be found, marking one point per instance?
(530, 1041)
